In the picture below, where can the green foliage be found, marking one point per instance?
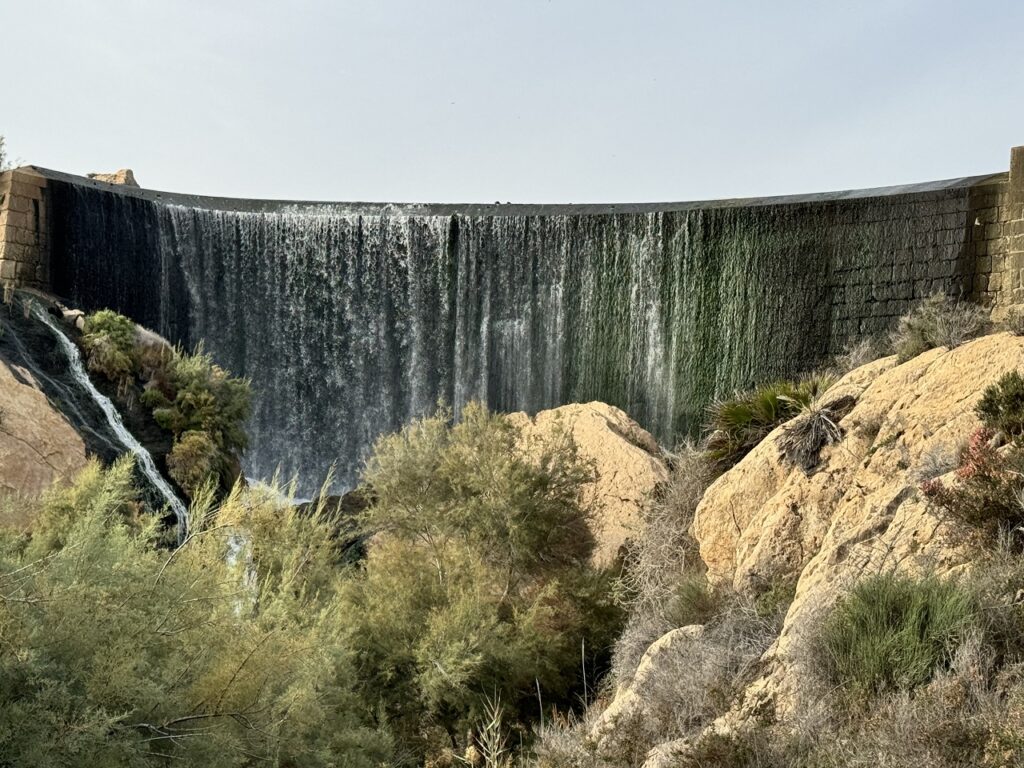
(938, 321)
(198, 397)
(189, 395)
(478, 583)
(1001, 407)
(987, 490)
(739, 423)
(117, 653)
(893, 633)
(109, 342)
(193, 460)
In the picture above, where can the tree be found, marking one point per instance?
(478, 584)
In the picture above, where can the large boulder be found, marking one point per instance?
(860, 512)
(627, 460)
(37, 445)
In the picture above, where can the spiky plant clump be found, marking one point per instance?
(737, 424)
(815, 427)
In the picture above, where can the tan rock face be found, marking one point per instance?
(37, 445)
(123, 176)
(627, 460)
(860, 513)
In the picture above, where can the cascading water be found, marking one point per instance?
(143, 457)
(352, 319)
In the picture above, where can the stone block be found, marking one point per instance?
(7, 270)
(22, 189)
(993, 231)
(29, 176)
(16, 219)
(18, 203)
(984, 265)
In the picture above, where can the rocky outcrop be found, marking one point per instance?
(627, 460)
(37, 445)
(860, 512)
(123, 176)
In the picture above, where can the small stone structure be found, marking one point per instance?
(24, 252)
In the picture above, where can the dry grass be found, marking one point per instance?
(938, 321)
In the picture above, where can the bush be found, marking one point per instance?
(194, 459)
(739, 423)
(1014, 321)
(115, 654)
(478, 583)
(659, 557)
(938, 321)
(199, 396)
(696, 679)
(987, 492)
(186, 394)
(109, 342)
(858, 353)
(1001, 407)
(893, 633)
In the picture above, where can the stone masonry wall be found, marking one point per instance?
(997, 239)
(24, 247)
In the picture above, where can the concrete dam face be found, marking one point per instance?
(351, 319)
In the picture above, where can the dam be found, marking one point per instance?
(352, 318)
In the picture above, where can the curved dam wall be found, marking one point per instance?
(351, 319)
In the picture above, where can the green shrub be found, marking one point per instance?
(893, 633)
(115, 654)
(186, 394)
(739, 423)
(479, 583)
(987, 490)
(938, 321)
(194, 459)
(109, 342)
(201, 396)
(1001, 407)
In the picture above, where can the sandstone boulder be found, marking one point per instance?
(860, 513)
(627, 460)
(37, 445)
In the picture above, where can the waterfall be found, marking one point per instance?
(352, 319)
(145, 460)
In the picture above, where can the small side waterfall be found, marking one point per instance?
(126, 438)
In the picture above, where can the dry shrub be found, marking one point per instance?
(815, 427)
(1014, 321)
(694, 680)
(858, 353)
(660, 558)
(938, 321)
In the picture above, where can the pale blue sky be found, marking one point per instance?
(519, 100)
